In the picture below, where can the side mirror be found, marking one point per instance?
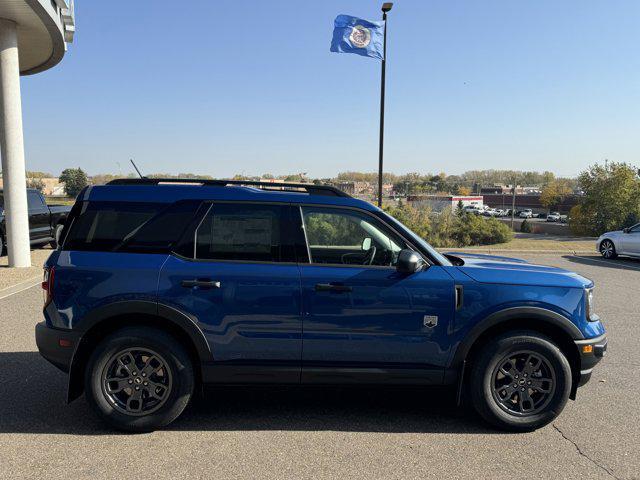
(366, 244)
(409, 262)
(625, 230)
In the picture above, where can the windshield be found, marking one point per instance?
(441, 259)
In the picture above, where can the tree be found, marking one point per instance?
(464, 191)
(554, 193)
(460, 208)
(74, 180)
(36, 174)
(611, 199)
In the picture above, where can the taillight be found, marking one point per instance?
(48, 284)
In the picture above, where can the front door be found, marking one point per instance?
(39, 216)
(364, 321)
(631, 240)
(242, 285)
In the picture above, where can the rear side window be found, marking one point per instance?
(244, 232)
(34, 200)
(128, 226)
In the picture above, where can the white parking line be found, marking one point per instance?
(20, 287)
(610, 263)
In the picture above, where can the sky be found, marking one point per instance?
(242, 86)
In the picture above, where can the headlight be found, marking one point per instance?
(588, 293)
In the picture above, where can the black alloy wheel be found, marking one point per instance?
(523, 383)
(137, 381)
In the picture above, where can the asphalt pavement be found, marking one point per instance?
(318, 433)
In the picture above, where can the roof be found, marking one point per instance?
(172, 190)
(43, 27)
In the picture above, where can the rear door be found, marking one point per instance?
(39, 221)
(236, 275)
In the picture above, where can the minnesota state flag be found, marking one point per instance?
(354, 35)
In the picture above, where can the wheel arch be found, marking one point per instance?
(546, 322)
(110, 318)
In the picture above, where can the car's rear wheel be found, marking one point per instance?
(608, 249)
(139, 379)
(520, 381)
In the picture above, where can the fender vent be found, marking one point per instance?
(459, 297)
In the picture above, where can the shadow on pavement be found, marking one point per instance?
(620, 263)
(32, 401)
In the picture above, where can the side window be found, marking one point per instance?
(104, 226)
(635, 228)
(347, 237)
(244, 232)
(34, 200)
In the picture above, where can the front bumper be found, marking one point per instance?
(592, 350)
(56, 346)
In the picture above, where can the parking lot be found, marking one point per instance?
(328, 433)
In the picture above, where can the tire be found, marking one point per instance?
(504, 407)
(2, 249)
(56, 236)
(608, 249)
(116, 401)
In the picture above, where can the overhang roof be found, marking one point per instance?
(41, 32)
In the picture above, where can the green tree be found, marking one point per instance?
(525, 226)
(36, 174)
(554, 193)
(611, 199)
(74, 180)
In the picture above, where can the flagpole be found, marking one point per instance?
(385, 8)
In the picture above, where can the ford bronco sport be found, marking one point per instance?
(160, 286)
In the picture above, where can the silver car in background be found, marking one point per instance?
(620, 242)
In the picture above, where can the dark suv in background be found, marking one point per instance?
(162, 285)
(45, 221)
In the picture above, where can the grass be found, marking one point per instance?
(533, 242)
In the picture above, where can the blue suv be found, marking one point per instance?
(161, 286)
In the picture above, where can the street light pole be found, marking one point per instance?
(386, 7)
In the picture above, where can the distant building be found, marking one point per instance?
(438, 203)
(52, 186)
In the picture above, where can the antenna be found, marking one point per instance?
(134, 166)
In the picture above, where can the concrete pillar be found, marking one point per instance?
(12, 149)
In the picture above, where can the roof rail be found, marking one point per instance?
(309, 188)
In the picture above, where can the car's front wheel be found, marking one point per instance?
(520, 381)
(139, 379)
(608, 249)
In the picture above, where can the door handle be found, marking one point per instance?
(200, 283)
(331, 287)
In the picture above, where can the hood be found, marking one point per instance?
(513, 271)
(615, 232)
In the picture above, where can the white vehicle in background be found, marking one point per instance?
(554, 217)
(526, 213)
(473, 209)
(620, 242)
(500, 213)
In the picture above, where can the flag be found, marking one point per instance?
(354, 35)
